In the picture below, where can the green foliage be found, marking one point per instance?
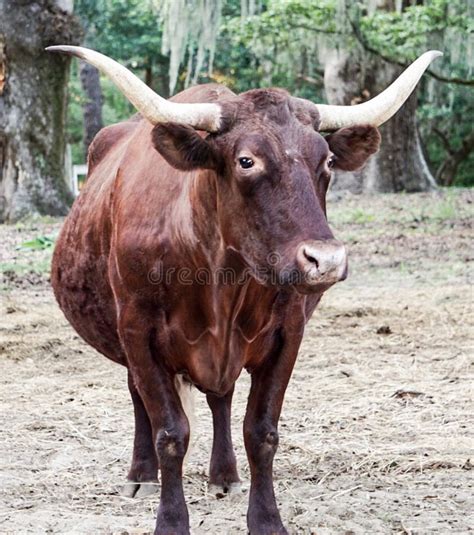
(403, 32)
(126, 30)
(37, 244)
(284, 44)
(446, 109)
(451, 114)
(274, 48)
(282, 17)
(356, 216)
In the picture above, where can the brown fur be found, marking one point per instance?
(183, 148)
(167, 198)
(352, 146)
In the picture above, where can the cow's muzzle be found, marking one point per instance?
(321, 263)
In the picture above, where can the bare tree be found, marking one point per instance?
(33, 90)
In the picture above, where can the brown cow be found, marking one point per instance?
(198, 247)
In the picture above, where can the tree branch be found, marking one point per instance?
(447, 170)
(444, 140)
(467, 146)
(299, 26)
(311, 80)
(363, 41)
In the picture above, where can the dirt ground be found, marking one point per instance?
(376, 434)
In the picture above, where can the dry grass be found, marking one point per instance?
(377, 429)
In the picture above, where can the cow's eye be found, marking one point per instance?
(331, 162)
(246, 163)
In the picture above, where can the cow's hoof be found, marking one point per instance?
(268, 530)
(219, 491)
(173, 521)
(163, 529)
(265, 522)
(135, 489)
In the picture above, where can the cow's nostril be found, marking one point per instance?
(310, 257)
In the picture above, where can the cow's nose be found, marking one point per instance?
(322, 261)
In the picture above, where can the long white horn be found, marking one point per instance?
(379, 109)
(156, 109)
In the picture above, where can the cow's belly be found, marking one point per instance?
(81, 286)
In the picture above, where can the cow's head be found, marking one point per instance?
(272, 170)
(272, 166)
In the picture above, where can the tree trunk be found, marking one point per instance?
(33, 106)
(92, 108)
(400, 164)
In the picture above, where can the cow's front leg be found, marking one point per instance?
(223, 476)
(156, 386)
(269, 383)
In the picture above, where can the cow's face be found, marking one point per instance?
(273, 170)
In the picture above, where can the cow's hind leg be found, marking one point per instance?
(142, 477)
(223, 476)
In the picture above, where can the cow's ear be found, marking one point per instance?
(352, 146)
(183, 148)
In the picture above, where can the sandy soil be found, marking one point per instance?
(377, 428)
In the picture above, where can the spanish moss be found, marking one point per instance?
(190, 29)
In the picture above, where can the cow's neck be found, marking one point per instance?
(195, 227)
